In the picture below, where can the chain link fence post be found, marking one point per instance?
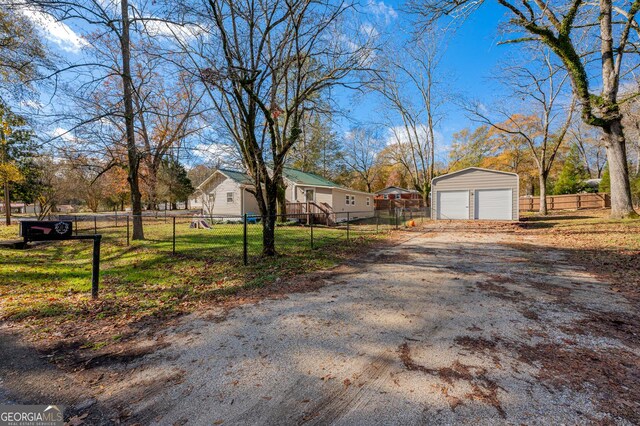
(348, 227)
(174, 235)
(75, 222)
(311, 225)
(95, 266)
(127, 230)
(244, 241)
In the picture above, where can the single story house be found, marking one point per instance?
(397, 193)
(20, 207)
(227, 193)
(475, 193)
(592, 184)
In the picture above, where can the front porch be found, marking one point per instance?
(320, 213)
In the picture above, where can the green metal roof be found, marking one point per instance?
(239, 177)
(303, 178)
(296, 176)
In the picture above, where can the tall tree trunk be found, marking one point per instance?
(132, 150)
(530, 187)
(543, 193)
(425, 192)
(621, 205)
(152, 179)
(269, 220)
(282, 200)
(7, 198)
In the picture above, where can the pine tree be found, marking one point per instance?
(174, 184)
(573, 174)
(318, 150)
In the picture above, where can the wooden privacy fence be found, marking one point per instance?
(567, 202)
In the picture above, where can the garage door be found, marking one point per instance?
(453, 205)
(493, 204)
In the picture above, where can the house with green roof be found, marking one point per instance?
(228, 193)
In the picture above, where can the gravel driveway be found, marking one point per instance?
(447, 328)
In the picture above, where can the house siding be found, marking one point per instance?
(322, 195)
(470, 180)
(360, 208)
(221, 207)
(250, 204)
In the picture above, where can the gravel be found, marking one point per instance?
(394, 340)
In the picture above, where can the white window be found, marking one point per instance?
(229, 197)
(347, 200)
(353, 200)
(368, 201)
(385, 196)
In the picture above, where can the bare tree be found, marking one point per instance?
(133, 155)
(541, 84)
(264, 64)
(407, 71)
(591, 147)
(165, 117)
(555, 24)
(106, 19)
(361, 148)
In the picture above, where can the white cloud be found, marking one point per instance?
(57, 32)
(62, 134)
(217, 153)
(31, 104)
(368, 30)
(398, 134)
(183, 33)
(381, 10)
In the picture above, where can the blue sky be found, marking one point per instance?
(471, 57)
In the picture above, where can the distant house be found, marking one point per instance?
(228, 193)
(397, 193)
(592, 185)
(394, 197)
(21, 208)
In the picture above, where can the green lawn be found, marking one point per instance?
(51, 283)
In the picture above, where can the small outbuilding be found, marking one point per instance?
(475, 193)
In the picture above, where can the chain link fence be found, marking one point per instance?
(229, 238)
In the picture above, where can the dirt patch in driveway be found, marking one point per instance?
(611, 374)
(483, 389)
(495, 288)
(623, 326)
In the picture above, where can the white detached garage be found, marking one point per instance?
(475, 193)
